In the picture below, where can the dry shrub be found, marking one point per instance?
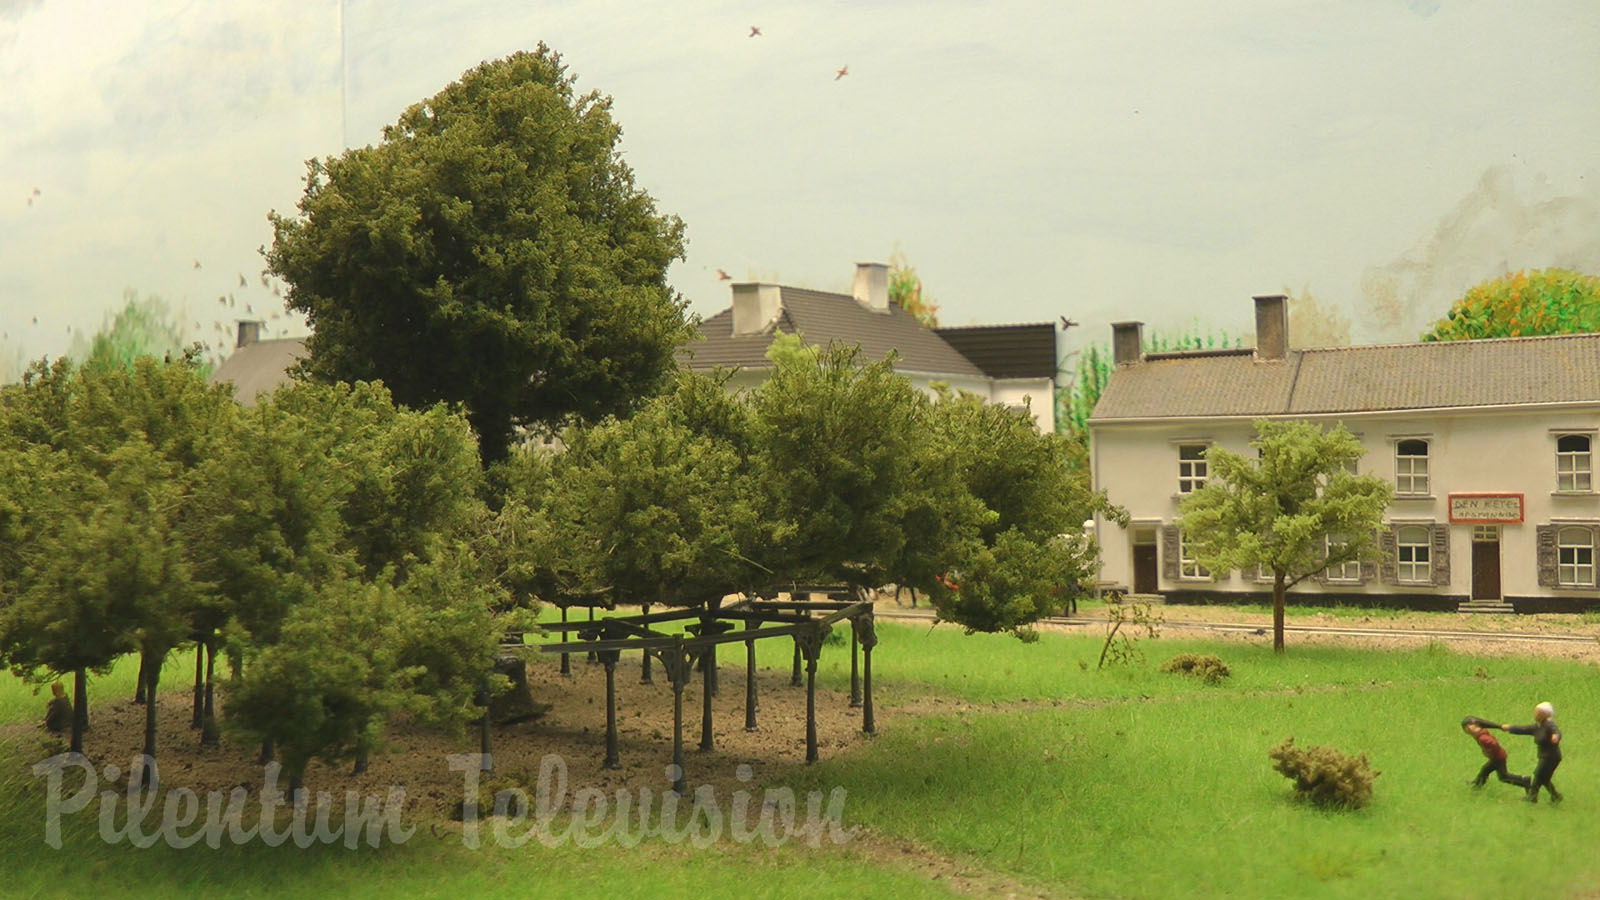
(1325, 776)
(1205, 667)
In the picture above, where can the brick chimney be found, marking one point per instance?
(756, 307)
(871, 287)
(1127, 342)
(249, 333)
(1272, 326)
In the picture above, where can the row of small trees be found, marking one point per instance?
(835, 469)
(350, 559)
(326, 540)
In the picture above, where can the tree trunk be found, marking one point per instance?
(208, 723)
(198, 717)
(1278, 591)
(154, 668)
(266, 754)
(138, 685)
(80, 709)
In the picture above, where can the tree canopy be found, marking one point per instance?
(1296, 510)
(1523, 304)
(491, 250)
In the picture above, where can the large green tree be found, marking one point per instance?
(841, 439)
(1295, 510)
(675, 508)
(1523, 304)
(492, 250)
(1022, 551)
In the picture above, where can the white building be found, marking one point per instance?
(1013, 365)
(1490, 446)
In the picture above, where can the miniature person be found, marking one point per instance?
(58, 712)
(1547, 737)
(1478, 730)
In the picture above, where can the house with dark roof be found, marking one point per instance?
(1490, 446)
(1013, 365)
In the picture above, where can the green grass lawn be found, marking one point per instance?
(1119, 783)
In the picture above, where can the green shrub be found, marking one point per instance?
(1205, 667)
(1325, 776)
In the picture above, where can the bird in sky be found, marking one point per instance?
(230, 301)
(222, 301)
(197, 264)
(755, 31)
(35, 192)
(723, 276)
(276, 292)
(242, 282)
(843, 71)
(1067, 323)
(263, 279)
(247, 309)
(35, 320)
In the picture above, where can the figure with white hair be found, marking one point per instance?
(1547, 737)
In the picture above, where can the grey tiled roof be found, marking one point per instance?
(260, 367)
(824, 317)
(1443, 374)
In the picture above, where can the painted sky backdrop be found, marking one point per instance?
(1158, 160)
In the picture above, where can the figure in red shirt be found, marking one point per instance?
(1478, 730)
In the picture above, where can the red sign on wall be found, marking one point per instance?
(1486, 509)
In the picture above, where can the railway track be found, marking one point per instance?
(1440, 634)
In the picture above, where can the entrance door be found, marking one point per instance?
(1144, 561)
(1486, 562)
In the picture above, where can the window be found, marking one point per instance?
(1348, 571)
(1411, 467)
(1575, 557)
(1191, 467)
(1188, 567)
(1412, 548)
(1574, 463)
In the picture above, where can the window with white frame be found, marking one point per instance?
(1411, 467)
(1188, 566)
(1575, 557)
(1574, 463)
(1413, 562)
(1191, 467)
(1347, 571)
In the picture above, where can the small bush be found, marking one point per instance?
(1325, 776)
(1209, 669)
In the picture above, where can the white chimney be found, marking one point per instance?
(871, 287)
(755, 307)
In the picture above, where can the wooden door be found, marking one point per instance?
(1144, 569)
(1486, 570)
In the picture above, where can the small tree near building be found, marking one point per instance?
(1295, 511)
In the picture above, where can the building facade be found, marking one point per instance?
(1490, 447)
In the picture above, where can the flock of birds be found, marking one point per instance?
(755, 32)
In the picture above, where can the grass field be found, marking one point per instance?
(1030, 770)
